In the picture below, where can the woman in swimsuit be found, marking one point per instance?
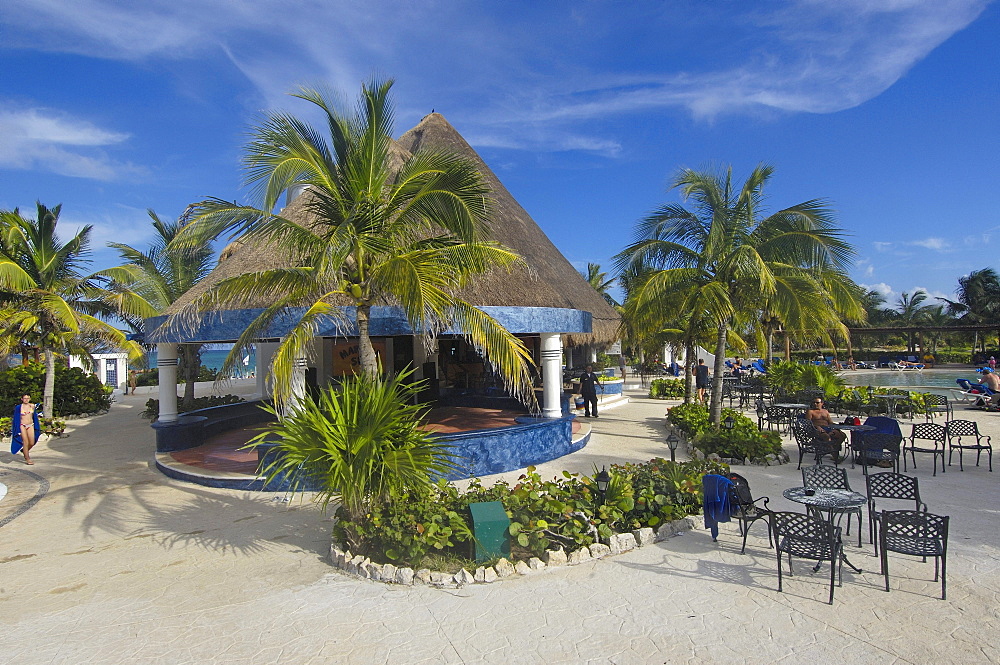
(26, 428)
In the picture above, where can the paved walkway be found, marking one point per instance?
(115, 563)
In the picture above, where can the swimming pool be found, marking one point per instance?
(937, 381)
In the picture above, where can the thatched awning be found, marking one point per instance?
(549, 281)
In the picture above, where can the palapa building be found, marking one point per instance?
(548, 304)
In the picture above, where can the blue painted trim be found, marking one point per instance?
(531, 441)
(228, 325)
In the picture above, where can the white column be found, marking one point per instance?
(166, 364)
(551, 375)
(298, 382)
(265, 352)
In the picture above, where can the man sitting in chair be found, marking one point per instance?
(820, 418)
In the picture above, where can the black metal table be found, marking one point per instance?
(831, 501)
(890, 403)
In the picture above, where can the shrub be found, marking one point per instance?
(76, 391)
(152, 408)
(666, 388)
(361, 443)
(743, 441)
(691, 418)
(563, 512)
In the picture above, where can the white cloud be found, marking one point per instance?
(533, 77)
(880, 287)
(937, 244)
(882, 246)
(48, 140)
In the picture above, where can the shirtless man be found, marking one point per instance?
(820, 418)
(991, 381)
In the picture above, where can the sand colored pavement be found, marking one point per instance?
(115, 563)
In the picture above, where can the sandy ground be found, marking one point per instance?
(111, 562)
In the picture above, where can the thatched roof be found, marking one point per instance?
(549, 281)
(555, 282)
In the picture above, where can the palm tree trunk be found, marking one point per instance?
(688, 376)
(49, 391)
(366, 352)
(715, 411)
(788, 347)
(770, 346)
(190, 355)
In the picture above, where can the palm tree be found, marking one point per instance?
(47, 301)
(911, 312)
(722, 259)
(149, 282)
(600, 282)
(385, 230)
(978, 299)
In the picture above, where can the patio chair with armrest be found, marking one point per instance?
(964, 435)
(894, 486)
(807, 537)
(809, 442)
(746, 509)
(937, 404)
(879, 448)
(933, 436)
(914, 533)
(824, 476)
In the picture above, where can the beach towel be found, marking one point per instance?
(716, 501)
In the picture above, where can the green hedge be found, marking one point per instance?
(76, 391)
(152, 409)
(743, 441)
(666, 388)
(563, 512)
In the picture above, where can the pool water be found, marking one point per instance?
(934, 380)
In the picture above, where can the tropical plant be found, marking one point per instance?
(149, 282)
(383, 230)
(45, 301)
(722, 263)
(74, 391)
(790, 377)
(911, 312)
(743, 441)
(361, 444)
(600, 282)
(978, 299)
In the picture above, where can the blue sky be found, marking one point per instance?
(584, 109)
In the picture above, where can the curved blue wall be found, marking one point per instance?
(531, 441)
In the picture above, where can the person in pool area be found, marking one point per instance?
(589, 381)
(991, 381)
(25, 428)
(820, 418)
(701, 379)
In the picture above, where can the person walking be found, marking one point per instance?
(25, 428)
(701, 379)
(589, 382)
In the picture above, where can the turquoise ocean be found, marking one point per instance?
(213, 356)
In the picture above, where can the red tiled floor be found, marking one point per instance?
(222, 452)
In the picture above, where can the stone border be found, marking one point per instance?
(361, 566)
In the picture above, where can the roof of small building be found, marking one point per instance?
(549, 280)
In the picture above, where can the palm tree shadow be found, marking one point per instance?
(225, 521)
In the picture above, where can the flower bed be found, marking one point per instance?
(567, 514)
(364, 567)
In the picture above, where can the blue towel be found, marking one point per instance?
(716, 504)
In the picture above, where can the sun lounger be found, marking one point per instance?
(907, 366)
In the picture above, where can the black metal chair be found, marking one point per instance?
(746, 508)
(824, 476)
(876, 447)
(938, 404)
(807, 537)
(894, 486)
(931, 432)
(960, 435)
(914, 533)
(808, 441)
